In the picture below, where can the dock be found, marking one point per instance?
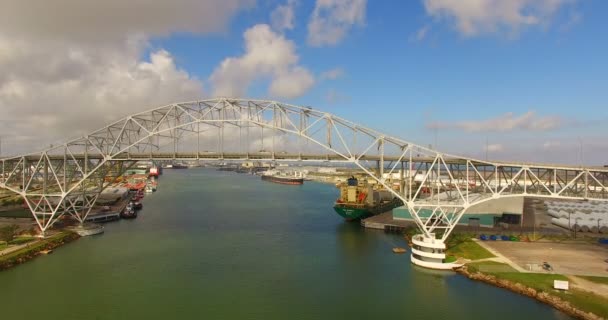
(110, 215)
(385, 221)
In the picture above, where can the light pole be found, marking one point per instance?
(570, 224)
(486, 148)
(580, 154)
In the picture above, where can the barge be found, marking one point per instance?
(283, 178)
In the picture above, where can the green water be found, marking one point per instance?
(221, 245)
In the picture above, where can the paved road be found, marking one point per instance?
(499, 257)
(15, 248)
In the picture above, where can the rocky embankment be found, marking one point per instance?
(545, 297)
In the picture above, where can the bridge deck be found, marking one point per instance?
(269, 156)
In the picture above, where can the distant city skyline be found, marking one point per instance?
(514, 80)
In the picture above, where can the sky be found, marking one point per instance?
(521, 80)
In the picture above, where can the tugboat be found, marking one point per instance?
(179, 165)
(360, 200)
(129, 212)
(283, 178)
(136, 205)
(139, 195)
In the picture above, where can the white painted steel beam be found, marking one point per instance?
(444, 185)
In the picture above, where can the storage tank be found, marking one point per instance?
(553, 213)
(560, 222)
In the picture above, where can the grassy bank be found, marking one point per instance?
(29, 252)
(461, 246)
(542, 283)
(15, 212)
(15, 242)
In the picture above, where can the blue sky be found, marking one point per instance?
(525, 79)
(399, 83)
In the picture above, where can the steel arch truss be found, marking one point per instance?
(437, 188)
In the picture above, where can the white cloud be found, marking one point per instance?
(332, 74)
(332, 19)
(78, 91)
(496, 147)
(475, 17)
(528, 121)
(267, 55)
(420, 34)
(282, 18)
(551, 145)
(291, 83)
(69, 67)
(110, 20)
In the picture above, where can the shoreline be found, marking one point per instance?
(541, 296)
(34, 250)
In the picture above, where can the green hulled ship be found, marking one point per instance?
(360, 200)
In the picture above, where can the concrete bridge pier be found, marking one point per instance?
(429, 252)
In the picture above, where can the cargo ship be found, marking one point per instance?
(295, 178)
(360, 200)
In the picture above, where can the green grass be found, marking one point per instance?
(449, 259)
(461, 246)
(22, 240)
(16, 213)
(586, 301)
(601, 280)
(544, 282)
(34, 247)
(490, 267)
(410, 232)
(16, 241)
(538, 281)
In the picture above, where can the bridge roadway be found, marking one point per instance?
(282, 156)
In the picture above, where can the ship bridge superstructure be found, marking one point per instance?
(68, 178)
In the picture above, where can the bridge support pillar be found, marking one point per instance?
(429, 252)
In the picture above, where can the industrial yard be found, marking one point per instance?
(565, 257)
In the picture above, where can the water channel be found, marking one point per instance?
(222, 245)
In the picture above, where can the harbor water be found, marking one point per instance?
(222, 245)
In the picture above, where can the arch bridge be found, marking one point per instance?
(437, 188)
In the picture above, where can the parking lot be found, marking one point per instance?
(565, 258)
